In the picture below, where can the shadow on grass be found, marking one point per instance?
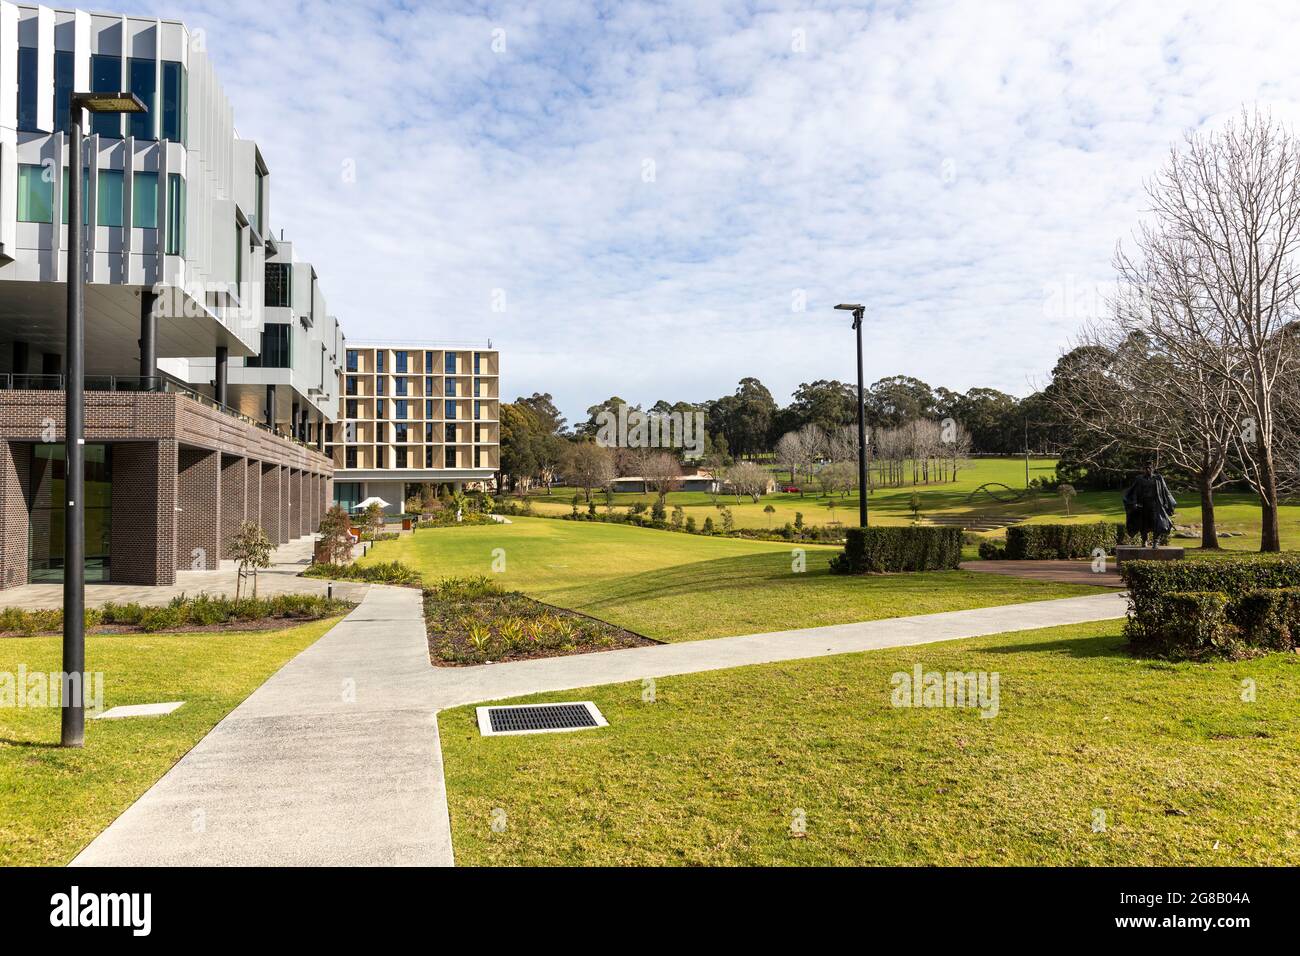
(30, 744)
(1109, 645)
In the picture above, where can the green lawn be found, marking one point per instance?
(54, 801)
(680, 587)
(714, 771)
(890, 506)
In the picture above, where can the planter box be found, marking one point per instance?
(1130, 553)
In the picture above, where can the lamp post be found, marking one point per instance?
(858, 313)
(72, 698)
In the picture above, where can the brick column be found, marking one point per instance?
(15, 515)
(271, 498)
(253, 491)
(304, 509)
(234, 499)
(143, 543)
(198, 523)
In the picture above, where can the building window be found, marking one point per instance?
(106, 77)
(379, 385)
(401, 362)
(276, 339)
(401, 408)
(428, 457)
(64, 76)
(350, 408)
(401, 457)
(174, 108)
(478, 457)
(450, 409)
(175, 215)
(352, 358)
(109, 198)
(401, 385)
(259, 203)
(143, 85)
(449, 366)
(449, 458)
(428, 433)
(379, 361)
(239, 255)
(428, 363)
(478, 388)
(27, 87)
(279, 292)
(350, 457)
(451, 386)
(380, 458)
(476, 363)
(85, 195)
(350, 385)
(400, 431)
(478, 411)
(379, 408)
(35, 195)
(144, 200)
(449, 434)
(428, 409)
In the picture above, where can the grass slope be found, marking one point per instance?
(54, 801)
(713, 772)
(679, 587)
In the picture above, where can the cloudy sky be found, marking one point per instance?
(657, 200)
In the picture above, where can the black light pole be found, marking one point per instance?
(72, 700)
(858, 313)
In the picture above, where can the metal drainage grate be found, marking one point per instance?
(539, 718)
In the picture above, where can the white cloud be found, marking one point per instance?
(951, 165)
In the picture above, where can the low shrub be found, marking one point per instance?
(1150, 583)
(993, 551)
(181, 612)
(381, 572)
(447, 519)
(1039, 542)
(1195, 626)
(917, 548)
(1268, 619)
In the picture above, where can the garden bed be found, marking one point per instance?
(189, 614)
(473, 621)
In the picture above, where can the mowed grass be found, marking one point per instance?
(54, 801)
(1094, 758)
(1236, 512)
(680, 587)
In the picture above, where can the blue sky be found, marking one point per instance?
(668, 197)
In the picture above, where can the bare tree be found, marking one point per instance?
(789, 454)
(589, 466)
(748, 478)
(663, 473)
(1218, 262)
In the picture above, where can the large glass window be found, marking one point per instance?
(401, 361)
(449, 457)
(144, 200)
(449, 434)
(279, 292)
(239, 255)
(350, 461)
(399, 430)
(352, 360)
(258, 201)
(106, 77)
(428, 409)
(35, 195)
(380, 387)
(450, 409)
(428, 363)
(401, 385)
(143, 85)
(401, 457)
(48, 494)
(350, 385)
(401, 408)
(449, 364)
(276, 338)
(476, 363)
(351, 408)
(174, 118)
(27, 87)
(451, 386)
(110, 196)
(379, 361)
(175, 215)
(64, 75)
(85, 195)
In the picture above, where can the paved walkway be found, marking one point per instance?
(296, 775)
(334, 761)
(287, 562)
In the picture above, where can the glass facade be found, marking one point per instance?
(276, 352)
(347, 494)
(64, 74)
(174, 111)
(27, 87)
(106, 77)
(144, 201)
(85, 195)
(175, 215)
(449, 363)
(143, 85)
(45, 537)
(279, 293)
(110, 197)
(35, 194)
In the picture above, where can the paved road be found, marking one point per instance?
(299, 775)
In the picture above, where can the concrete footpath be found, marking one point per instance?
(300, 774)
(334, 761)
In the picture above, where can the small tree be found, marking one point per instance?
(769, 511)
(1066, 491)
(679, 516)
(914, 506)
(749, 479)
(336, 535)
(251, 550)
(372, 521)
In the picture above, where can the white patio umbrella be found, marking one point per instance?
(372, 500)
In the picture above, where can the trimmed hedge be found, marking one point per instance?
(1038, 542)
(1261, 596)
(382, 572)
(917, 548)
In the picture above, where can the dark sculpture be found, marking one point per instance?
(1149, 507)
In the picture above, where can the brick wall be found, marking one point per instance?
(15, 512)
(234, 495)
(198, 522)
(144, 513)
(271, 499)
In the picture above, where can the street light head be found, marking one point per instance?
(849, 308)
(124, 102)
